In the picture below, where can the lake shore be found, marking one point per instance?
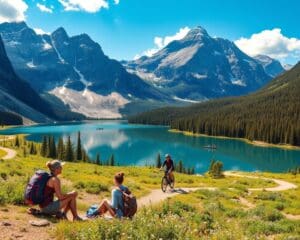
(255, 142)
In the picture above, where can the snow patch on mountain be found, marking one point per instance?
(57, 52)
(31, 64)
(82, 78)
(238, 82)
(199, 76)
(186, 100)
(90, 103)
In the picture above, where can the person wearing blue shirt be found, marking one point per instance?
(116, 206)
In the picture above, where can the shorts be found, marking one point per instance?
(52, 208)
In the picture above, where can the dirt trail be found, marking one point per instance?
(281, 185)
(10, 153)
(157, 195)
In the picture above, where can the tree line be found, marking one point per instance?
(64, 150)
(271, 115)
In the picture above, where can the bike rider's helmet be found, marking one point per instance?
(168, 156)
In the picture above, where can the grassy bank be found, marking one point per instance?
(255, 143)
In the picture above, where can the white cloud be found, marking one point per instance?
(272, 43)
(12, 11)
(40, 31)
(90, 6)
(117, 1)
(161, 42)
(44, 8)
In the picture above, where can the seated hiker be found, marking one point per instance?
(116, 206)
(169, 167)
(65, 202)
(49, 184)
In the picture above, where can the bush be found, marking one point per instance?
(267, 213)
(12, 193)
(271, 196)
(216, 169)
(177, 208)
(3, 176)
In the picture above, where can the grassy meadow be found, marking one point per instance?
(203, 214)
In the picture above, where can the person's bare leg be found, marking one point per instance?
(104, 207)
(64, 204)
(73, 208)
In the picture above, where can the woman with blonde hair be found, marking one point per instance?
(65, 202)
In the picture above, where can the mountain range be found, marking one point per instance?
(202, 67)
(72, 74)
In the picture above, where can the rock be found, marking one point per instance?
(6, 224)
(39, 223)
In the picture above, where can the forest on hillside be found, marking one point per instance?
(271, 115)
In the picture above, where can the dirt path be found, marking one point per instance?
(10, 153)
(281, 185)
(157, 195)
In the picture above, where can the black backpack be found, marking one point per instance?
(34, 192)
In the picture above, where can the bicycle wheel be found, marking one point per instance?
(164, 184)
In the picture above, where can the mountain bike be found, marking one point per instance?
(166, 181)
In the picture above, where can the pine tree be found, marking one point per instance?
(158, 161)
(78, 148)
(69, 153)
(32, 151)
(98, 161)
(60, 149)
(48, 154)
(17, 141)
(111, 160)
(44, 147)
(24, 152)
(52, 147)
(180, 167)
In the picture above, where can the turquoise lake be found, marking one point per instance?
(139, 145)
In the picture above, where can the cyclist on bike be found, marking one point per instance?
(168, 163)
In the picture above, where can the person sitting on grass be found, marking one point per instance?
(65, 202)
(116, 206)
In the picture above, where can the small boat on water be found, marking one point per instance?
(100, 129)
(212, 146)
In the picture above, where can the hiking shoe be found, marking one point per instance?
(79, 219)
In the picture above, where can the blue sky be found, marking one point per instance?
(126, 28)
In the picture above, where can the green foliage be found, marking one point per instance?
(44, 147)
(215, 169)
(111, 161)
(69, 151)
(98, 160)
(60, 149)
(158, 161)
(17, 141)
(78, 148)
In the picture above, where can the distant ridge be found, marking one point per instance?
(271, 114)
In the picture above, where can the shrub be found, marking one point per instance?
(271, 196)
(216, 169)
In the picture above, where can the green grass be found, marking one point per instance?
(203, 214)
(2, 153)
